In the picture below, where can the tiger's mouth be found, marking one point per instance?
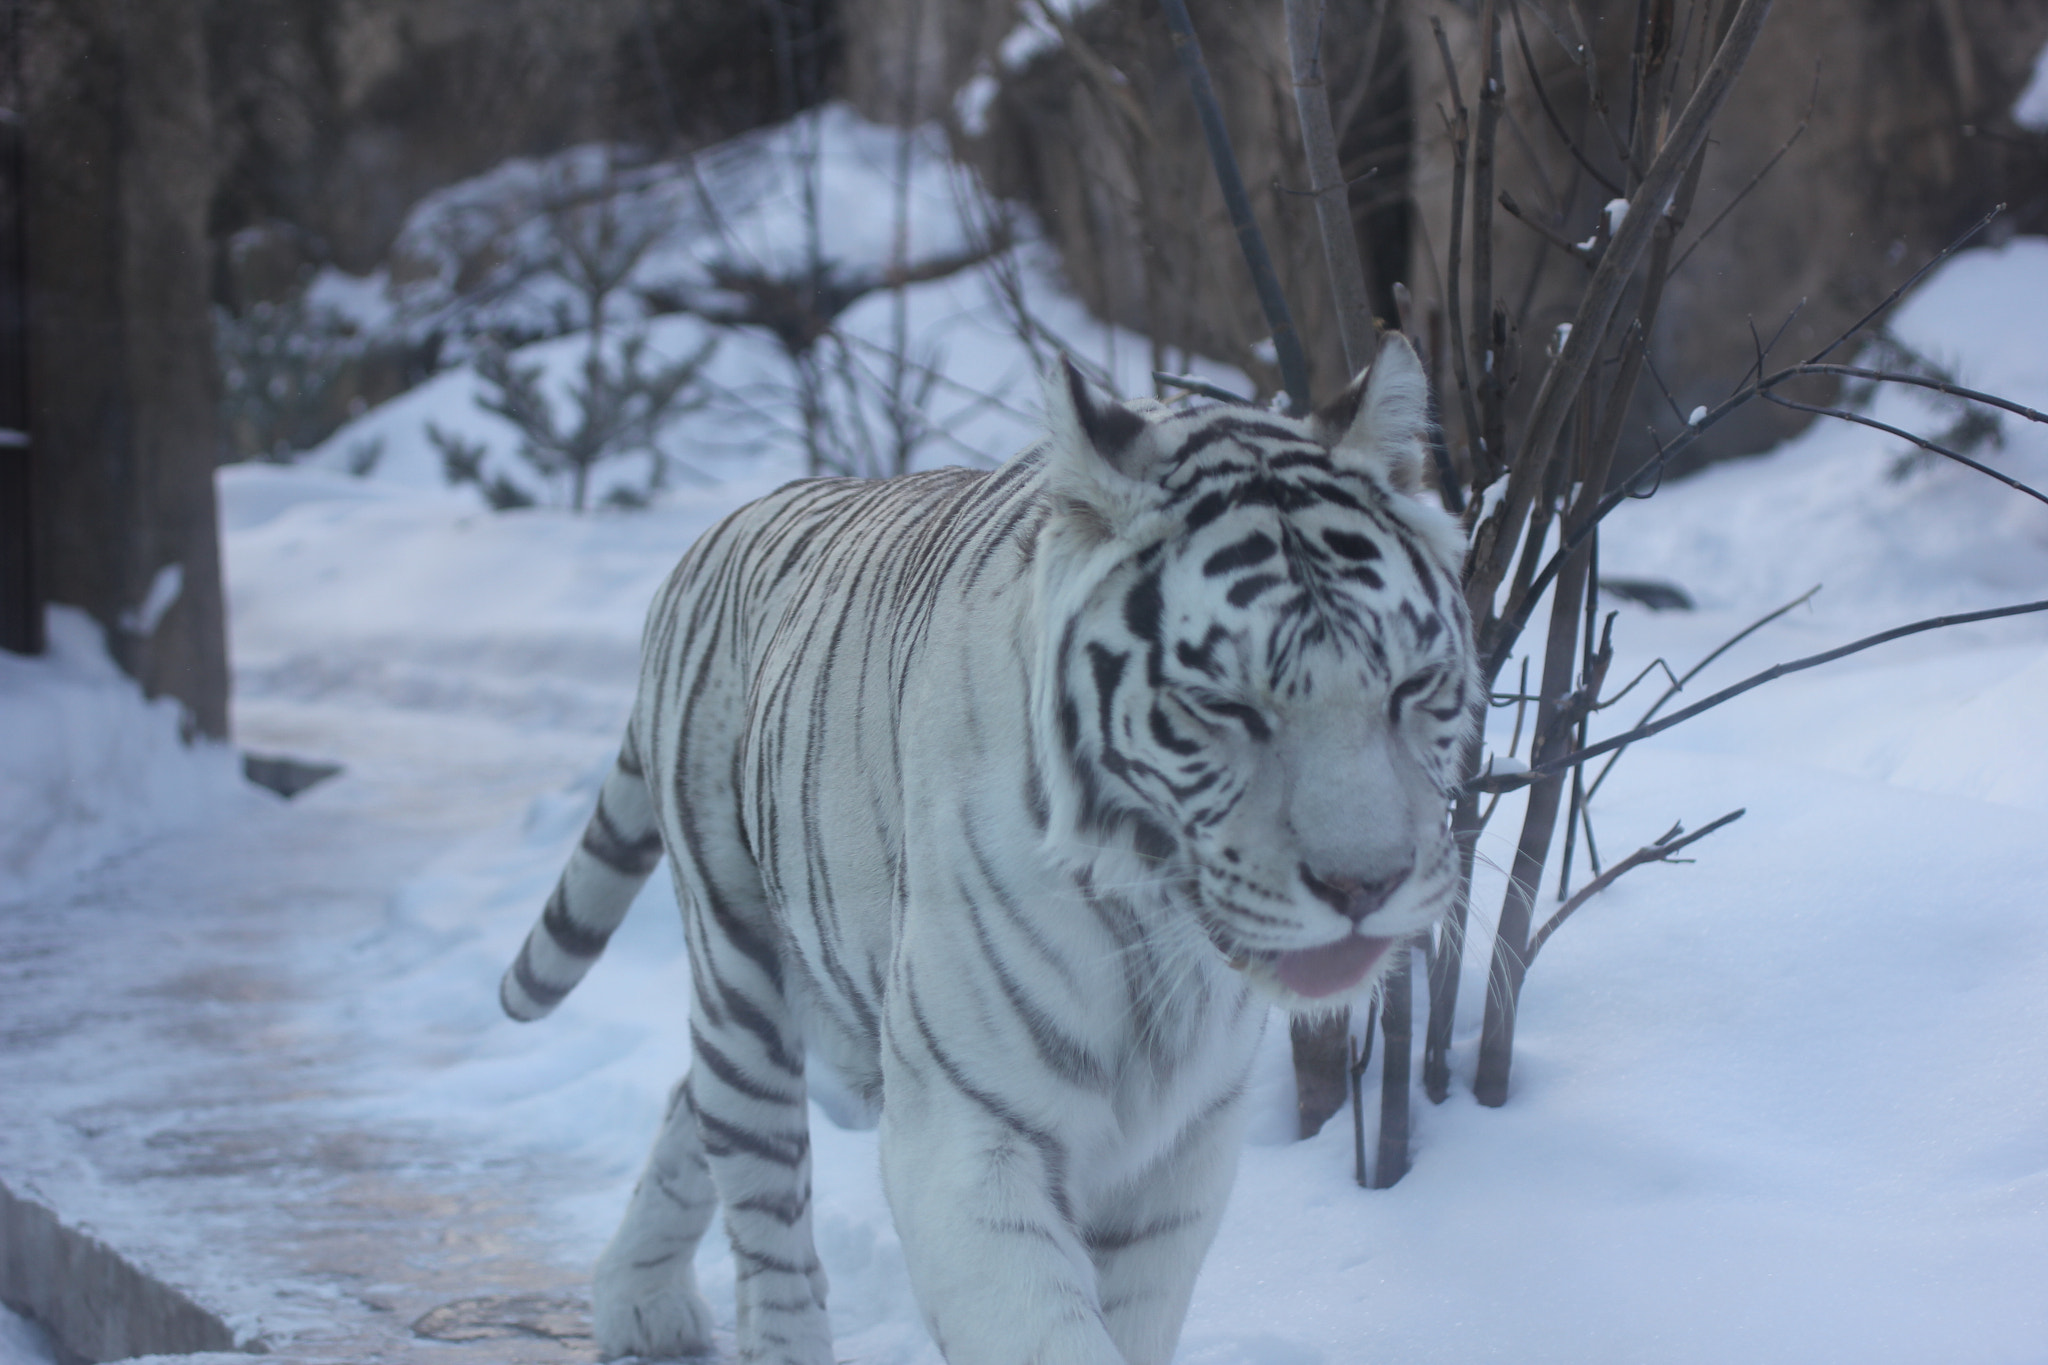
(1302, 974)
(1323, 971)
(1315, 973)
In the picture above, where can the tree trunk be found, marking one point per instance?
(21, 595)
(1397, 1022)
(121, 386)
(1320, 1044)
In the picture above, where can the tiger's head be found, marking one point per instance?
(1257, 670)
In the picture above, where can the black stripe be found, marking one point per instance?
(729, 1072)
(1142, 608)
(572, 938)
(1050, 1150)
(1163, 733)
(742, 1010)
(1255, 548)
(1246, 590)
(787, 1210)
(1349, 544)
(629, 857)
(540, 992)
(1424, 573)
(1101, 1239)
(1064, 1056)
(1107, 668)
(724, 1139)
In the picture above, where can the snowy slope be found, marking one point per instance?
(89, 766)
(1787, 1104)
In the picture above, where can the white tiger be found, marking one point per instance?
(1009, 801)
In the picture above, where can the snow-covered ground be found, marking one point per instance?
(22, 1342)
(1786, 1104)
(86, 766)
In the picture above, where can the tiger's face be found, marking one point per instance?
(1271, 678)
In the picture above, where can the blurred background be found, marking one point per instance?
(232, 227)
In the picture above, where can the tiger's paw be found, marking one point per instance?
(653, 1321)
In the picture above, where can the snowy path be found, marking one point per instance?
(190, 1108)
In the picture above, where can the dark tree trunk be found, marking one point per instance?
(121, 387)
(21, 594)
(1320, 1044)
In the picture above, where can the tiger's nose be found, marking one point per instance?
(1355, 897)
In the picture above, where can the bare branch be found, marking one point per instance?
(1460, 128)
(1514, 620)
(1490, 383)
(1305, 20)
(1286, 342)
(1511, 781)
(1755, 180)
(1933, 447)
(1678, 684)
(1658, 852)
(1494, 543)
(1889, 299)
(1545, 231)
(1940, 386)
(1543, 97)
(1200, 386)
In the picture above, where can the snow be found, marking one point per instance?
(90, 766)
(1783, 1104)
(22, 1342)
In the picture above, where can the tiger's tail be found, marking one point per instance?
(620, 847)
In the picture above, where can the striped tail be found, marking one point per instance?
(620, 847)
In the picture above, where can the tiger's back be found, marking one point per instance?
(764, 672)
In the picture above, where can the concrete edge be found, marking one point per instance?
(97, 1305)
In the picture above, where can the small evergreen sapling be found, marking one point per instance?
(624, 396)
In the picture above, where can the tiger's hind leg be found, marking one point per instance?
(645, 1300)
(747, 1081)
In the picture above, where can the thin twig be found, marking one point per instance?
(1678, 684)
(1460, 128)
(1543, 97)
(1754, 180)
(1351, 294)
(1202, 387)
(1546, 231)
(1932, 447)
(1490, 383)
(1658, 852)
(1940, 386)
(1510, 781)
(1654, 466)
(1889, 299)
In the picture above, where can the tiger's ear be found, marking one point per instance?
(1382, 419)
(1101, 454)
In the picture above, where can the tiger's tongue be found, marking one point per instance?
(1317, 972)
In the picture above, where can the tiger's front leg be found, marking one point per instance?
(980, 1193)
(1148, 1239)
